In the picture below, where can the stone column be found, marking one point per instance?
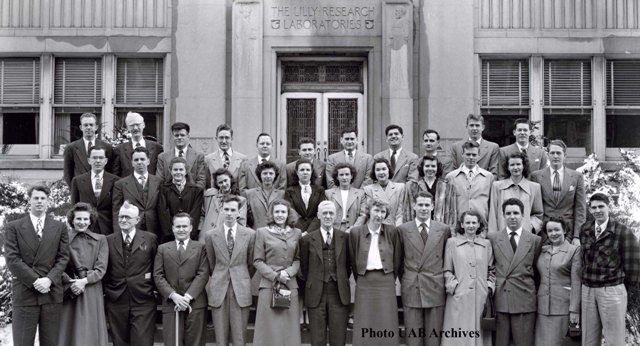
(246, 72)
(397, 75)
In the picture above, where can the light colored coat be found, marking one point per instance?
(394, 195)
(356, 201)
(537, 158)
(214, 162)
(474, 195)
(196, 168)
(247, 178)
(363, 163)
(274, 252)
(258, 206)
(212, 216)
(526, 191)
(406, 165)
(560, 280)
(488, 158)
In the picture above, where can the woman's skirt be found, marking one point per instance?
(551, 329)
(376, 310)
(277, 326)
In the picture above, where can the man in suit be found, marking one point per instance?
(196, 168)
(563, 192)
(423, 292)
(225, 157)
(324, 265)
(489, 152)
(141, 189)
(96, 187)
(181, 272)
(230, 255)
(305, 197)
(472, 184)
(307, 150)
(128, 283)
(76, 153)
(404, 164)
(37, 251)
(516, 252)
(610, 272)
(247, 176)
(536, 156)
(122, 154)
(431, 144)
(362, 161)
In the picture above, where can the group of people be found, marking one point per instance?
(340, 239)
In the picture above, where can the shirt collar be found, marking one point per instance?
(186, 242)
(428, 223)
(137, 176)
(466, 170)
(378, 231)
(518, 232)
(86, 142)
(132, 234)
(229, 152)
(227, 228)
(560, 171)
(142, 143)
(303, 185)
(266, 158)
(397, 151)
(34, 219)
(184, 151)
(479, 141)
(603, 226)
(346, 153)
(93, 174)
(521, 147)
(324, 233)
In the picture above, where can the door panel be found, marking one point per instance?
(301, 119)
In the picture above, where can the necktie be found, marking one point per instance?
(598, 231)
(556, 184)
(39, 229)
(226, 159)
(141, 179)
(263, 160)
(512, 240)
(230, 241)
(305, 196)
(328, 239)
(98, 188)
(470, 176)
(89, 146)
(423, 233)
(180, 187)
(127, 241)
(138, 144)
(350, 155)
(181, 153)
(393, 161)
(524, 151)
(180, 250)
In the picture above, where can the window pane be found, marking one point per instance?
(67, 126)
(623, 127)
(152, 121)
(573, 126)
(499, 124)
(20, 81)
(623, 82)
(78, 81)
(139, 82)
(567, 83)
(505, 83)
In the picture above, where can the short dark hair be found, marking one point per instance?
(521, 121)
(348, 130)
(525, 163)
(264, 134)
(475, 117)
(561, 221)
(231, 198)
(599, 196)
(141, 149)
(223, 171)
(472, 212)
(558, 142)
(306, 140)
(182, 214)
(428, 131)
(373, 168)
(42, 188)
(429, 158)
(424, 194)
(97, 147)
(340, 166)
(180, 126)
(177, 160)
(470, 145)
(300, 162)
(513, 201)
(88, 115)
(267, 165)
(224, 127)
(82, 206)
(291, 217)
(393, 127)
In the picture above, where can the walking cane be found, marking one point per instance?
(177, 326)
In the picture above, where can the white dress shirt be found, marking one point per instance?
(603, 226)
(228, 229)
(142, 142)
(131, 234)
(184, 152)
(34, 221)
(186, 242)
(560, 175)
(374, 262)
(94, 179)
(324, 234)
(344, 194)
(137, 176)
(517, 236)
(427, 223)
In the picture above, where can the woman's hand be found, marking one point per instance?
(284, 277)
(77, 287)
(574, 317)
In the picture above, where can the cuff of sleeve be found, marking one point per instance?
(188, 296)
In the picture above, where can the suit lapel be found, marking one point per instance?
(189, 251)
(504, 245)
(483, 150)
(521, 251)
(566, 182)
(252, 168)
(338, 238)
(83, 155)
(172, 251)
(350, 198)
(48, 234)
(434, 238)
(297, 199)
(191, 157)
(118, 243)
(218, 237)
(400, 161)
(138, 240)
(316, 241)
(545, 183)
(154, 186)
(130, 185)
(241, 238)
(28, 233)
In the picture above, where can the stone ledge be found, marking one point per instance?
(51, 164)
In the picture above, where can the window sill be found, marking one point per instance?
(51, 164)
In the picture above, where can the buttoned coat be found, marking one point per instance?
(29, 259)
(560, 280)
(196, 168)
(126, 189)
(312, 266)
(422, 277)
(308, 216)
(76, 160)
(406, 165)
(363, 163)
(474, 195)
(258, 206)
(214, 161)
(82, 191)
(527, 192)
(536, 156)
(515, 272)
(247, 178)
(488, 158)
(570, 206)
(122, 153)
(186, 275)
(211, 215)
(172, 201)
(390, 248)
(134, 276)
(318, 172)
(356, 202)
(275, 252)
(237, 268)
(394, 195)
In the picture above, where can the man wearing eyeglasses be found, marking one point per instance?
(122, 161)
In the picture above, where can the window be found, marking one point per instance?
(504, 97)
(623, 103)
(19, 106)
(567, 104)
(77, 89)
(140, 88)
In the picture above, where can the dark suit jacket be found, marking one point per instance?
(171, 201)
(136, 275)
(122, 158)
(389, 245)
(247, 178)
(312, 266)
(126, 189)
(572, 203)
(186, 275)
(82, 191)
(488, 159)
(196, 168)
(318, 171)
(515, 276)
(76, 162)
(536, 156)
(29, 259)
(308, 216)
(422, 277)
(406, 165)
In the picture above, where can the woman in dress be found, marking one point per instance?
(559, 265)
(303, 190)
(276, 259)
(384, 189)
(375, 260)
(349, 201)
(469, 278)
(211, 216)
(260, 199)
(82, 321)
(516, 185)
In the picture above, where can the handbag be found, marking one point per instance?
(488, 320)
(279, 300)
(574, 335)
